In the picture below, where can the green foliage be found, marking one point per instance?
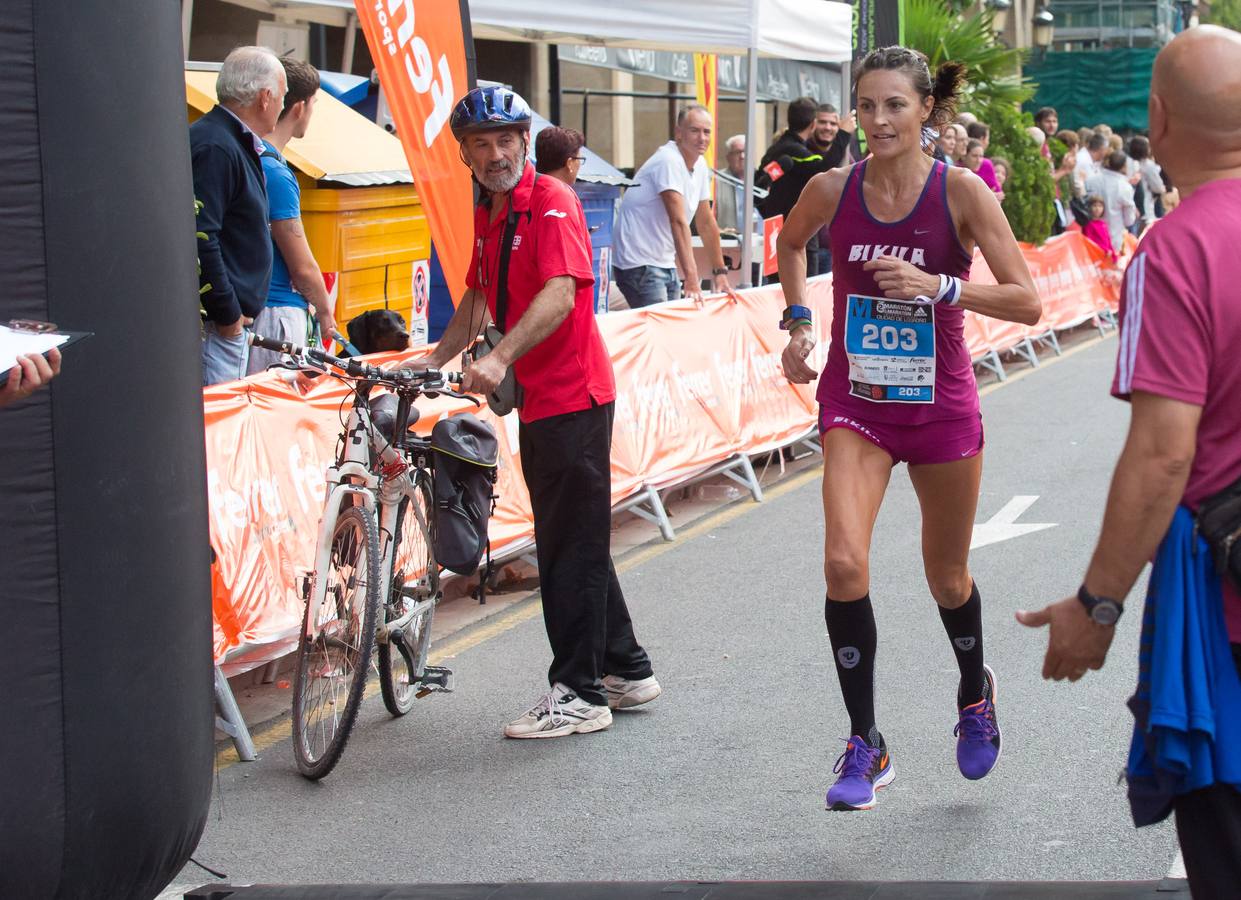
(1029, 193)
(993, 70)
(941, 30)
(1224, 12)
(1058, 148)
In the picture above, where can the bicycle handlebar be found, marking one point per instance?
(427, 378)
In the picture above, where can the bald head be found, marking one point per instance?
(1198, 78)
(1195, 119)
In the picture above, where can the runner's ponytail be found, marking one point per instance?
(946, 88)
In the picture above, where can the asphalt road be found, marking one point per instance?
(724, 776)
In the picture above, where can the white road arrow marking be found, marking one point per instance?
(1003, 525)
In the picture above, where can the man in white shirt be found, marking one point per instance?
(1113, 186)
(652, 237)
(1089, 159)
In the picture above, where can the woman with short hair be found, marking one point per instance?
(558, 153)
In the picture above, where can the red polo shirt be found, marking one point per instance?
(571, 366)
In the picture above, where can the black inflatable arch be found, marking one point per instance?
(105, 611)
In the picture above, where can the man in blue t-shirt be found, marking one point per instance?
(296, 282)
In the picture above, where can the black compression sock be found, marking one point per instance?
(851, 629)
(964, 627)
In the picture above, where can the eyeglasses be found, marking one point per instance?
(580, 159)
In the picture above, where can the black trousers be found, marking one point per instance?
(1208, 826)
(567, 461)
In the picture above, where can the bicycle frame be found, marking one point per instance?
(352, 477)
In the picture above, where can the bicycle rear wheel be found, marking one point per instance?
(415, 580)
(334, 661)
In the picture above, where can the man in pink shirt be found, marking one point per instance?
(1179, 366)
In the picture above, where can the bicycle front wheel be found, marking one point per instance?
(334, 655)
(414, 582)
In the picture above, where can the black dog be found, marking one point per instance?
(377, 330)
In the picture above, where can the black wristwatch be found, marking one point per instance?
(720, 271)
(1102, 610)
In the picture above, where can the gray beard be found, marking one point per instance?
(502, 183)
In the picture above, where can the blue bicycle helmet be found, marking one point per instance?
(489, 108)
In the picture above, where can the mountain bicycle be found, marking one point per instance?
(373, 552)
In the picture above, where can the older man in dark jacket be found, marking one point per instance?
(226, 146)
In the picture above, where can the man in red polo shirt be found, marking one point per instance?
(557, 354)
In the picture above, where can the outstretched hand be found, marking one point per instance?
(1075, 642)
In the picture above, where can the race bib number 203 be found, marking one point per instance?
(891, 349)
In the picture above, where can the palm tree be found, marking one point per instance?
(996, 89)
(942, 33)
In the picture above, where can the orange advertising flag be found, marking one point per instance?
(706, 85)
(419, 50)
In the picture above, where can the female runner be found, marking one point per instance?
(899, 384)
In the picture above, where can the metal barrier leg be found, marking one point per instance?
(747, 479)
(1026, 349)
(1049, 339)
(991, 362)
(655, 514)
(230, 720)
(270, 671)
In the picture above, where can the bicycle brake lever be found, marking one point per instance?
(461, 396)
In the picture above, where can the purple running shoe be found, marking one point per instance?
(978, 733)
(862, 770)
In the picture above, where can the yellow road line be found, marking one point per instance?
(497, 625)
(525, 610)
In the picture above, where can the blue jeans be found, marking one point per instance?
(224, 358)
(645, 285)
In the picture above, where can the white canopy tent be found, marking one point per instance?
(810, 30)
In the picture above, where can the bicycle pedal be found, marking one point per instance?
(435, 679)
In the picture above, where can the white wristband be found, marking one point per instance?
(954, 291)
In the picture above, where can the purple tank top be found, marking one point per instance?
(891, 361)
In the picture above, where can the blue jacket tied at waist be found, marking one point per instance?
(1187, 709)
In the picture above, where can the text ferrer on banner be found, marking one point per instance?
(419, 50)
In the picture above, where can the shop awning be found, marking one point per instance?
(342, 146)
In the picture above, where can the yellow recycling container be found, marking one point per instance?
(363, 218)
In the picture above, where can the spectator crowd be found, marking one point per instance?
(1105, 186)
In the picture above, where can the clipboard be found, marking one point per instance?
(20, 337)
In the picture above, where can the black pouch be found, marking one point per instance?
(1219, 521)
(466, 455)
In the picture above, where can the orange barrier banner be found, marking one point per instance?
(419, 50)
(696, 385)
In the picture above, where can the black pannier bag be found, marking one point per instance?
(466, 456)
(1219, 521)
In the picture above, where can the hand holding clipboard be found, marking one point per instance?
(23, 348)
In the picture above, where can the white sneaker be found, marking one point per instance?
(623, 693)
(559, 712)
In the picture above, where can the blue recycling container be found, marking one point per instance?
(599, 203)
